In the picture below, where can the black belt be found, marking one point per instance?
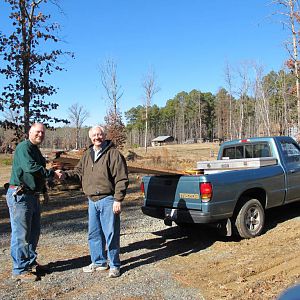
(97, 197)
(25, 191)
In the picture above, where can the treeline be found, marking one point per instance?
(63, 138)
(266, 105)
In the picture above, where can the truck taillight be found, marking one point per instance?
(143, 188)
(205, 191)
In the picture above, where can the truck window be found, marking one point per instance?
(233, 152)
(291, 152)
(239, 153)
(248, 151)
(261, 150)
(229, 152)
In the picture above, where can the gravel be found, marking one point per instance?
(63, 242)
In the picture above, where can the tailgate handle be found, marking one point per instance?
(292, 171)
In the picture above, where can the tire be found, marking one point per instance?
(250, 219)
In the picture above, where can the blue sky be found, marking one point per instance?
(187, 43)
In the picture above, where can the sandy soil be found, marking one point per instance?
(199, 258)
(259, 268)
(219, 267)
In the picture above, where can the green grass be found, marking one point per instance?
(5, 160)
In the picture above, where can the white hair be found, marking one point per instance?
(97, 127)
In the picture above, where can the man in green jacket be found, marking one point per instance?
(26, 182)
(104, 176)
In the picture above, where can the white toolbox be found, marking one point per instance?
(232, 164)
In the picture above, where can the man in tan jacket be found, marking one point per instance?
(104, 177)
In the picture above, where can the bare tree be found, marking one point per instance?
(150, 87)
(291, 20)
(199, 116)
(262, 101)
(182, 118)
(228, 79)
(285, 120)
(77, 115)
(111, 85)
(114, 124)
(243, 72)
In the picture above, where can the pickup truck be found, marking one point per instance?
(248, 177)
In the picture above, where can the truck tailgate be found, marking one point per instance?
(163, 191)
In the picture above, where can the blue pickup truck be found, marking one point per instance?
(249, 176)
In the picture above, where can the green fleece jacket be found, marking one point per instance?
(108, 175)
(29, 167)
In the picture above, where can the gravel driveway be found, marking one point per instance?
(145, 243)
(158, 262)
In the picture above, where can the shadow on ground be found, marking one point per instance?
(170, 242)
(69, 264)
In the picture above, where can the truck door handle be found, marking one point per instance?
(292, 171)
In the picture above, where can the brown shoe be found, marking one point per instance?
(37, 268)
(25, 277)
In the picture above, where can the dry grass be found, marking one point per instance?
(177, 157)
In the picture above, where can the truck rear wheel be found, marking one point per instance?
(250, 219)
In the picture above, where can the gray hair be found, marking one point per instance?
(97, 127)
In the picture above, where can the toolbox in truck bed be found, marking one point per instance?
(231, 164)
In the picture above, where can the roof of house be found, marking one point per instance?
(161, 138)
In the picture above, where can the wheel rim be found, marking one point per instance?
(253, 219)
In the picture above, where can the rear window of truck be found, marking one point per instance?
(247, 151)
(291, 152)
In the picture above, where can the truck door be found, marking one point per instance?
(291, 158)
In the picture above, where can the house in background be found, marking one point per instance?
(162, 140)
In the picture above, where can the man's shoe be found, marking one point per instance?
(92, 267)
(38, 268)
(25, 277)
(114, 272)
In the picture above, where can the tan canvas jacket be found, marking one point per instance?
(108, 175)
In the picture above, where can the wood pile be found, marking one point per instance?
(68, 162)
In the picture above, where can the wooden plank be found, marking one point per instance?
(154, 171)
(68, 163)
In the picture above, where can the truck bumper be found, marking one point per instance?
(179, 215)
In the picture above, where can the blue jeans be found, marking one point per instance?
(104, 232)
(24, 211)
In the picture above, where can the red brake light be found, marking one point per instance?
(205, 191)
(244, 141)
(143, 188)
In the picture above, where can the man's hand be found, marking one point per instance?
(117, 207)
(60, 175)
(45, 198)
